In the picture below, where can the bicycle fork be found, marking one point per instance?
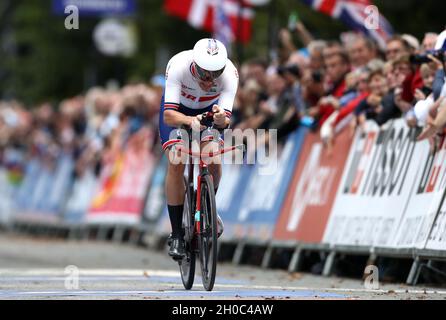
(198, 207)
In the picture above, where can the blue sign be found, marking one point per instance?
(96, 7)
(44, 189)
(256, 205)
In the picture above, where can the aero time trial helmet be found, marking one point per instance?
(210, 58)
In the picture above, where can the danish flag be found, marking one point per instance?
(201, 14)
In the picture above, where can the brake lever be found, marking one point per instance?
(207, 119)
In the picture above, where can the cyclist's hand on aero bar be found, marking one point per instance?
(219, 116)
(195, 123)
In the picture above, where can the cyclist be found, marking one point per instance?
(197, 81)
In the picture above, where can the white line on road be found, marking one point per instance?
(52, 273)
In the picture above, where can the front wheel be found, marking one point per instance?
(187, 264)
(208, 233)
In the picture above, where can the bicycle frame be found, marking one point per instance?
(203, 170)
(201, 238)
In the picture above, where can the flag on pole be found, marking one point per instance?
(202, 13)
(222, 26)
(356, 14)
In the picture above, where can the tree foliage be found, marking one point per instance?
(41, 60)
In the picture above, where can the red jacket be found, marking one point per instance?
(325, 110)
(350, 107)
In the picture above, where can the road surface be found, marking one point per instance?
(37, 268)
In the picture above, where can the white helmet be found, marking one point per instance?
(210, 57)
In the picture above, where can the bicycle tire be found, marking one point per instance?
(187, 264)
(208, 233)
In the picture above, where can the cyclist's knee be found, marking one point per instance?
(175, 158)
(176, 168)
(215, 169)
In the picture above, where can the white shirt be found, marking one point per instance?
(182, 85)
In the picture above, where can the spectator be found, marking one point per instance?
(424, 97)
(361, 50)
(355, 92)
(371, 106)
(315, 50)
(429, 41)
(396, 46)
(246, 112)
(404, 73)
(336, 67)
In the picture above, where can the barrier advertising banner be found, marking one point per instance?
(155, 200)
(123, 183)
(6, 192)
(82, 193)
(44, 189)
(231, 191)
(267, 189)
(437, 235)
(312, 190)
(426, 197)
(376, 186)
(11, 175)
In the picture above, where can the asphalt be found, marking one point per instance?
(39, 268)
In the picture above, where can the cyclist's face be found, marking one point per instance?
(205, 85)
(206, 78)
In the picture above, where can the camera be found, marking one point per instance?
(293, 69)
(423, 58)
(317, 76)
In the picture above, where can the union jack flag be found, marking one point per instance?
(222, 26)
(354, 14)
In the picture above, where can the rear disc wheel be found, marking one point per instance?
(208, 233)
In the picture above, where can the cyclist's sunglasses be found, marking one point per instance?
(205, 75)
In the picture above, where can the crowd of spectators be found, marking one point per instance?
(327, 85)
(331, 85)
(84, 126)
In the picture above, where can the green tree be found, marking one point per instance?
(41, 60)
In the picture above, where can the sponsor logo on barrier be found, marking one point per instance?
(123, 182)
(251, 216)
(313, 188)
(111, 173)
(426, 197)
(434, 165)
(360, 161)
(388, 165)
(265, 187)
(437, 237)
(390, 190)
(312, 191)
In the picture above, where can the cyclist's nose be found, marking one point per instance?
(206, 84)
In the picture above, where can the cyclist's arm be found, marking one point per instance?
(227, 97)
(172, 94)
(177, 119)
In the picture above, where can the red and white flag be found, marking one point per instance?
(200, 14)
